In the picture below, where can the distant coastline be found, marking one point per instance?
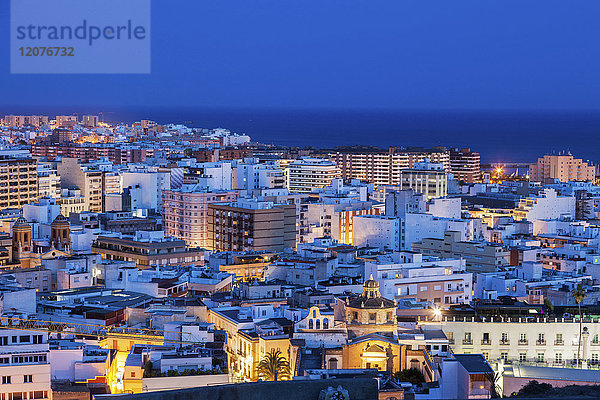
(499, 136)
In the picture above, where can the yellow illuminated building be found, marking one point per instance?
(248, 342)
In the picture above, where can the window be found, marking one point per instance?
(37, 339)
(540, 357)
(3, 340)
(595, 358)
(522, 357)
(504, 337)
(468, 338)
(595, 339)
(486, 338)
(5, 380)
(558, 358)
(24, 339)
(372, 316)
(523, 338)
(541, 338)
(27, 378)
(559, 338)
(486, 355)
(504, 355)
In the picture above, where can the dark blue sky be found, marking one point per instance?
(398, 54)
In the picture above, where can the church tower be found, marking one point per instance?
(60, 236)
(21, 239)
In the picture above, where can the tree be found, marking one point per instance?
(411, 375)
(534, 389)
(148, 369)
(579, 294)
(273, 366)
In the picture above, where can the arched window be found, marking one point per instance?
(314, 313)
(325, 323)
(318, 324)
(310, 324)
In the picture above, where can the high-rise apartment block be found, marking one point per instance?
(66, 120)
(306, 174)
(383, 168)
(250, 225)
(89, 121)
(85, 178)
(185, 213)
(564, 168)
(25, 120)
(18, 182)
(465, 165)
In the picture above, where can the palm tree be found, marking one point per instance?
(273, 366)
(579, 294)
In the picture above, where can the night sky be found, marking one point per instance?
(391, 54)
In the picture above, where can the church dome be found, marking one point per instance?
(21, 222)
(60, 220)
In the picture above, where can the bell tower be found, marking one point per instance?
(60, 236)
(21, 238)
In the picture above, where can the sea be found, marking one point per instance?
(499, 136)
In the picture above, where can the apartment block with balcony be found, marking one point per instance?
(564, 168)
(383, 167)
(251, 225)
(147, 249)
(24, 365)
(526, 340)
(305, 175)
(18, 182)
(427, 178)
(185, 212)
(465, 165)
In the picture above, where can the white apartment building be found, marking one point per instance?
(304, 175)
(547, 205)
(152, 185)
(479, 256)
(407, 275)
(48, 180)
(427, 178)
(416, 228)
(376, 231)
(250, 174)
(24, 365)
(537, 340)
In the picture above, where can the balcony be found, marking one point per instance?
(504, 342)
(540, 342)
(523, 342)
(486, 341)
(559, 342)
(467, 341)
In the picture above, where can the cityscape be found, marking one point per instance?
(144, 257)
(299, 200)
